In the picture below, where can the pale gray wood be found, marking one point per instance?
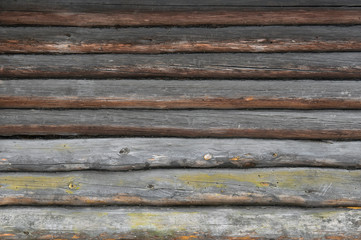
(175, 223)
(189, 119)
(121, 154)
(308, 187)
(184, 89)
(222, 65)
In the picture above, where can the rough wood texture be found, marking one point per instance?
(168, 40)
(222, 65)
(307, 187)
(122, 154)
(179, 223)
(184, 123)
(122, 17)
(94, 5)
(185, 94)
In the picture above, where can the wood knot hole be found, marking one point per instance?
(71, 185)
(124, 151)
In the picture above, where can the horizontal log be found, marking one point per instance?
(168, 40)
(185, 94)
(198, 16)
(123, 154)
(306, 187)
(221, 65)
(179, 223)
(184, 123)
(94, 5)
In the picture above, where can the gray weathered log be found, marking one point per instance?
(185, 94)
(168, 40)
(121, 154)
(307, 187)
(184, 123)
(179, 223)
(344, 65)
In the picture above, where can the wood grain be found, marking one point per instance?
(184, 123)
(179, 13)
(306, 187)
(179, 223)
(169, 40)
(185, 94)
(222, 65)
(123, 154)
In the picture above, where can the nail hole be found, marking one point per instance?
(274, 155)
(150, 186)
(68, 34)
(72, 185)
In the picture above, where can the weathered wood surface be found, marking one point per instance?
(184, 123)
(179, 223)
(306, 187)
(94, 5)
(185, 94)
(187, 17)
(168, 40)
(222, 65)
(122, 154)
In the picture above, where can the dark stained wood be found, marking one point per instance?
(226, 223)
(184, 123)
(187, 17)
(307, 187)
(222, 65)
(94, 5)
(169, 40)
(122, 154)
(173, 94)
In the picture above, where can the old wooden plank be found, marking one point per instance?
(184, 123)
(173, 94)
(165, 40)
(307, 187)
(191, 16)
(200, 123)
(122, 154)
(179, 223)
(221, 65)
(94, 5)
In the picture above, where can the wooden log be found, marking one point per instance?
(123, 154)
(95, 6)
(185, 94)
(306, 187)
(169, 40)
(339, 125)
(179, 223)
(282, 16)
(222, 65)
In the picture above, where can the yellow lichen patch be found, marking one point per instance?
(160, 221)
(325, 214)
(235, 158)
(280, 178)
(354, 208)
(3, 159)
(149, 220)
(36, 182)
